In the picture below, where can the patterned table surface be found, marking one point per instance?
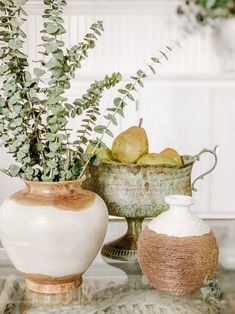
(114, 287)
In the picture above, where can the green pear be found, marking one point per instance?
(104, 154)
(156, 159)
(170, 152)
(130, 145)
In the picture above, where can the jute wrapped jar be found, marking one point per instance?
(177, 250)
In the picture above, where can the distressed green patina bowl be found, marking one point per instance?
(136, 192)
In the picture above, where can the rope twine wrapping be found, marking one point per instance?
(177, 265)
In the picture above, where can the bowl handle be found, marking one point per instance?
(197, 158)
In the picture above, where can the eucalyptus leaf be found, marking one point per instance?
(111, 118)
(141, 73)
(53, 146)
(53, 63)
(17, 108)
(38, 72)
(59, 55)
(95, 160)
(123, 91)
(100, 129)
(118, 102)
(52, 164)
(15, 44)
(51, 46)
(152, 69)
(108, 132)
(13, 170)
(130, 97)
(52, 28)
(77, 167)
(25, 148)
(50, 137)
(52, 120)
(2, 102)
(19, 2)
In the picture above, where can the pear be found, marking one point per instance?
(104, 154)
(170, 152)
(156, 159)
(130, 145)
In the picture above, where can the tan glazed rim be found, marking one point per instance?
(55, 182)
(66, 195)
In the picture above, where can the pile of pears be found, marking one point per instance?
(131, 147)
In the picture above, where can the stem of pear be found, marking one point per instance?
(140, 123)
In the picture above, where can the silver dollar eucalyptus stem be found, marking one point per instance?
(125, 93)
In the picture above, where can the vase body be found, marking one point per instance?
(137, 191)
(52, 232)
(177, 250)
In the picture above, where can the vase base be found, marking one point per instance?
(52, 285)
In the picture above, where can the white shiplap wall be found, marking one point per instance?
(189, 105)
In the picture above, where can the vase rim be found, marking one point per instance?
(54, 182)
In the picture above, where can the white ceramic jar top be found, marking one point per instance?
(179, 221)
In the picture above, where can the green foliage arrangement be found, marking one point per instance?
(206, 10)
(34, 111)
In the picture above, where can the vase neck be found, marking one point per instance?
(53, 188)
(179, 203)
(179, 220)
(179, 209)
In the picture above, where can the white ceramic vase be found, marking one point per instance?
(52, 232)
(177, 250)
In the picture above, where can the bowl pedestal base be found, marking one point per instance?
(125, 248)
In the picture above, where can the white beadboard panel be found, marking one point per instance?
(222, 181)
(175, 117)
(134, 31)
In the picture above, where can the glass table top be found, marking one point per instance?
(111, 286)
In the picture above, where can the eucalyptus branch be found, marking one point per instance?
(90, 103)
(35, 115)
(16, 124)
(62, 68)
(78, 53)
(119, 102)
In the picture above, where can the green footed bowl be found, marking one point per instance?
(136, 192)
